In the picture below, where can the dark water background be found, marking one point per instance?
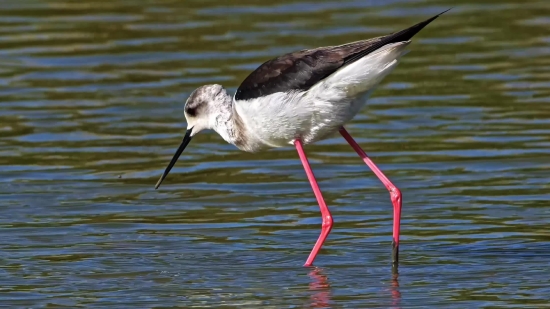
(91, 110)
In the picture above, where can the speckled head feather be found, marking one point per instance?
(200, 98)
(205, 106)
(210, 107)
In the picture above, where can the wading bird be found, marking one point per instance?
(300, 98)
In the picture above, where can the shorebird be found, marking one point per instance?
(300, 98)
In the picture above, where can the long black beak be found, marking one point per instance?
(184, 143)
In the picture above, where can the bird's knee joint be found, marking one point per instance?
(396, 194)
(327, 221)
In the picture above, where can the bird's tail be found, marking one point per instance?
(366, 73)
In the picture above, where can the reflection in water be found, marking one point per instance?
(320, 285)
(395, 293)
(322, 290)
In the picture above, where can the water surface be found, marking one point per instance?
(91, 110)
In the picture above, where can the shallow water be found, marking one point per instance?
(91, 111)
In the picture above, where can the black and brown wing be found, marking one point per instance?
(302, 69)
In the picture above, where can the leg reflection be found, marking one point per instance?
(394, 288)
(321, 297)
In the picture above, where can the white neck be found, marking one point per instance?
(229, 125)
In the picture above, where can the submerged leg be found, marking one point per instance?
(325, 213)
(395, 194)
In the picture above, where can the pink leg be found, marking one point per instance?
(327, 217)
(395, 193)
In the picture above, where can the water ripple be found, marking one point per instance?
(92, 110)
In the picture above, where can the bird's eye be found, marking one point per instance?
(191, 110)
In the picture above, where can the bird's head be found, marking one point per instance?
(203, 106)
(202, 109)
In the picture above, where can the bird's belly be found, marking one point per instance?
(331, 120)
(317, 126)
(286, 131)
